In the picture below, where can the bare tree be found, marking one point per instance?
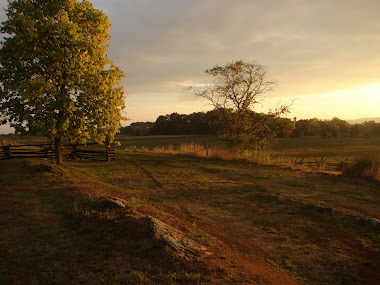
(234, 91)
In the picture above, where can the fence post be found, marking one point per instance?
(49, 148)
(7, 151)
(108, 147)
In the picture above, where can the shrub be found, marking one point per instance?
(364, 166)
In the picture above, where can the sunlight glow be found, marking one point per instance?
(186, 83)
(361, 102)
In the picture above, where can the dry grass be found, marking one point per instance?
(221, 153)
(57, 231)
(362, 166)
(6, 142)
(17, 140)
(214, 201)
(227, 201)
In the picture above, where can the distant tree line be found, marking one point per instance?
(322, 128)
(367, 129)
(334, 128)
(200, 123)
(206, 123)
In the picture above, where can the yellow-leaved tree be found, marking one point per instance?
(56, 79)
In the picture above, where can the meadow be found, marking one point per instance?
(259, 223)
(287, 151)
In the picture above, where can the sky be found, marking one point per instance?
(324, 55)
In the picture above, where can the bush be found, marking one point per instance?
(364, 166)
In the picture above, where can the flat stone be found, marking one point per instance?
(330, 209)
(175, 239)
(358, 218)
(375, 223)
(117, 201)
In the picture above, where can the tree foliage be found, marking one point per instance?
(57, 80)
(234, 91)
(323, 128)
(200, 123)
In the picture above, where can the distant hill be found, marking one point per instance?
(360, 121)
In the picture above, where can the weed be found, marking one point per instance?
(204, 238)
(137, 277)
(134, 203)
(83, 209)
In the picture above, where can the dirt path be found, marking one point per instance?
(242, 257)
(253, 239)
(231, 257)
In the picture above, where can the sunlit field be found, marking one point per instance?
(308, 147)
(307, 153)
(259, 223)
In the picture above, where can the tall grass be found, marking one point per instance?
(18, 139)
(6, 142)
(222, 153)
(365, 166)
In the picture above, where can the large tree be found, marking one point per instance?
(234, 91)
(56, 78)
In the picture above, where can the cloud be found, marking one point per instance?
(308, 46)
(299, 41)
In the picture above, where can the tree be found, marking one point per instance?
(234, 91)
(344, 127)
(56, 79)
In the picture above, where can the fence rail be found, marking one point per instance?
(47, 151)
(320, 164)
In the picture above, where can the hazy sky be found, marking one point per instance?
(325, 54)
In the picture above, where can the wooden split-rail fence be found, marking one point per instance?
(320, 164)
(47, 151)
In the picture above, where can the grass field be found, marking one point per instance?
(54, 234)
(314, 153)
(308, 147)
(328, 147)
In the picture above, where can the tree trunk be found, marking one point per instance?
(58, 150)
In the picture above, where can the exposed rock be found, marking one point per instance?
(272, 195)
(116, 201)
(175, 239)
(358, 218)
(330, 209)
(291, 200)
(317, 207)
(375, 223)
(276, 196)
